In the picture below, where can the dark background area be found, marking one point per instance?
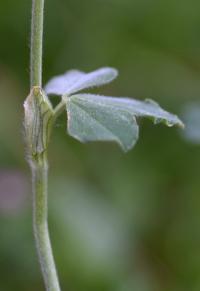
(118, 222)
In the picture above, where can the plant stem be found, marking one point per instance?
(59, 109)
(37, 42)
(38, 161)
(40, 213)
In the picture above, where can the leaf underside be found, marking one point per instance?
(74, 81)
(101, 118)
(101, 123)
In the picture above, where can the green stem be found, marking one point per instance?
(37, 42)
(40, 212)
(59, 109)
(38, 160)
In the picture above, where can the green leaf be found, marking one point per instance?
(74, 81)
(147, 108)
(94, 118)
(93, 122)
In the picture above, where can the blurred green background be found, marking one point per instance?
(118, 222)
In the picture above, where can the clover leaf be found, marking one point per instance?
(102, 118)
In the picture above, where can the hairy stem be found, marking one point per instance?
(37, 42)
(40, 212)
(38, 160)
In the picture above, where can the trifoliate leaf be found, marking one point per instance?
(95, 122)
(94, 117)
(75, 81)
